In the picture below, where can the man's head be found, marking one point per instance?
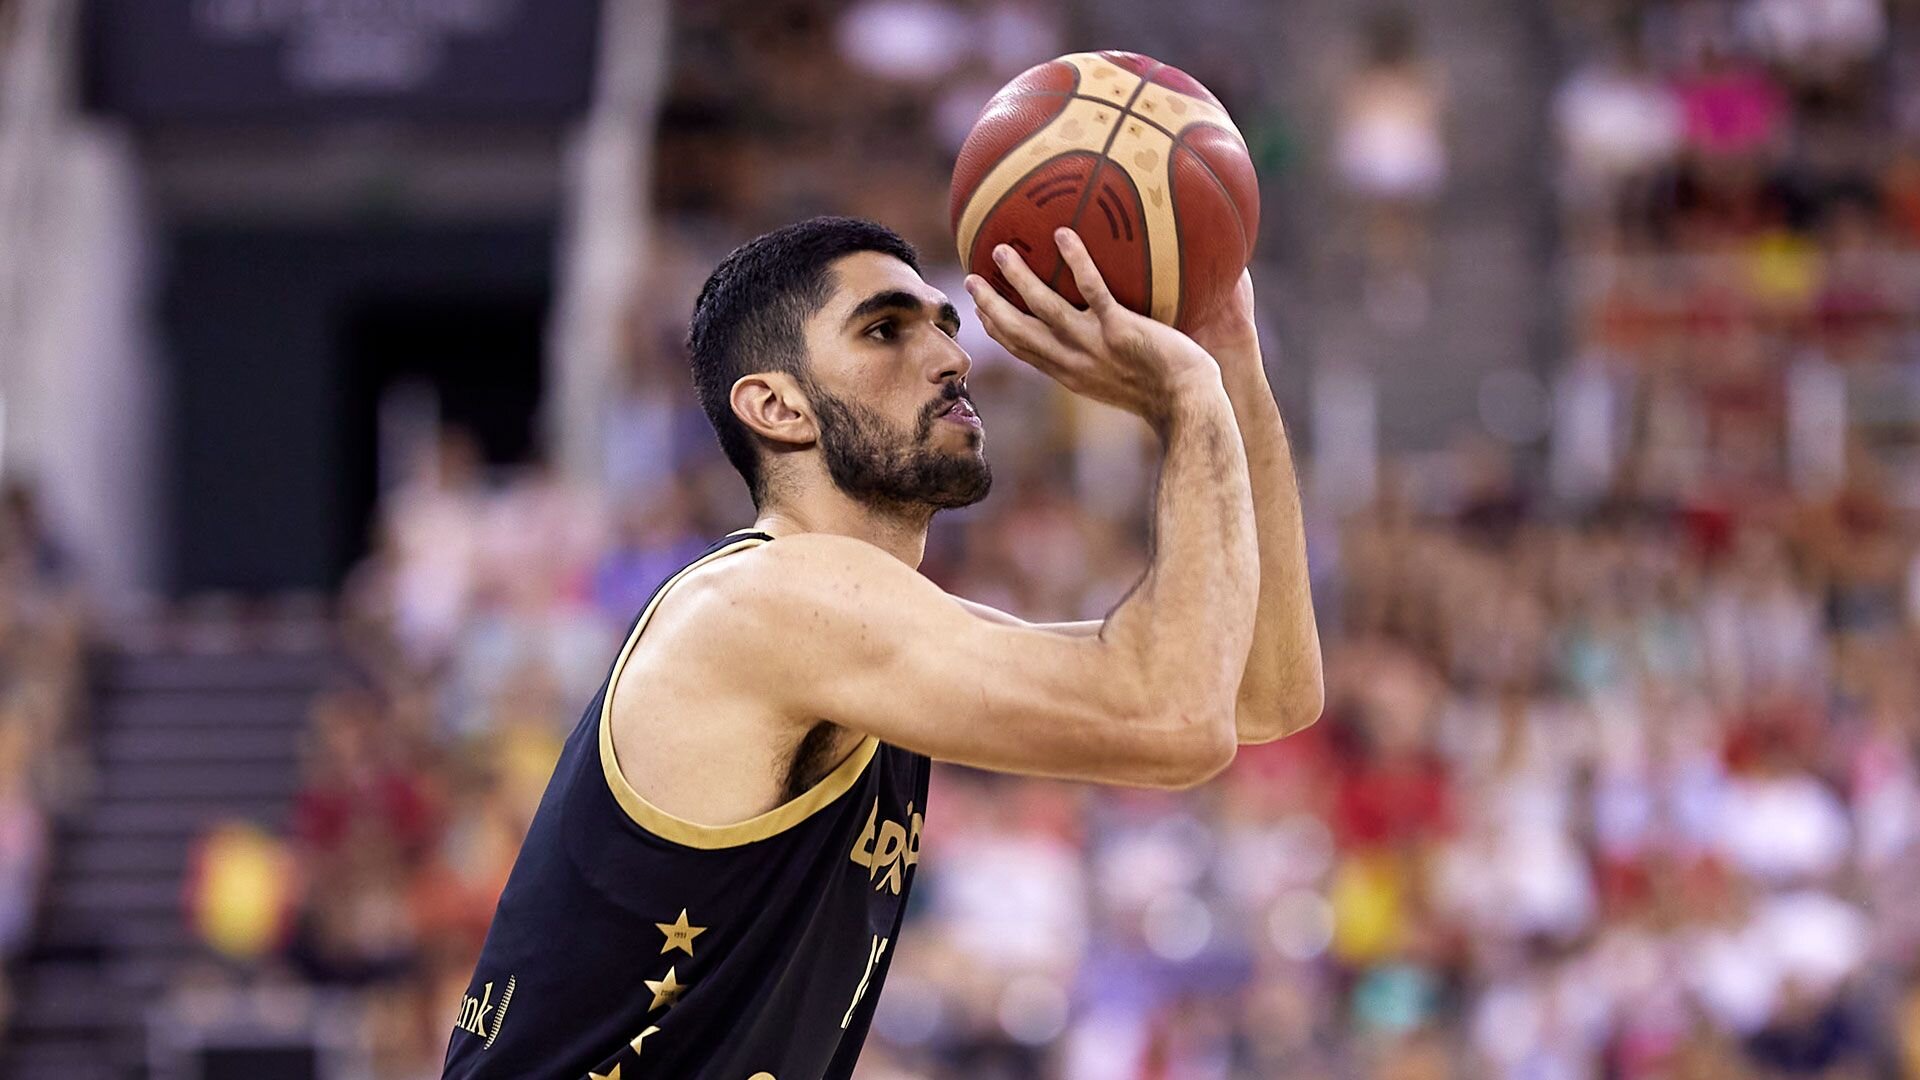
(821, 339)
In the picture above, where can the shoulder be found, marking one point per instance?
(796, 585)
(802, 568)
(764, 615)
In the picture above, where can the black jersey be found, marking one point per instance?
(630, 944)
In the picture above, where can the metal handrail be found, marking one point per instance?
(35, 68)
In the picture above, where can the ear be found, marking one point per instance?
(771, 405)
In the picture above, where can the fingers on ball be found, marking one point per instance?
(1093, 287)
(1040, 299)
(993, 307)
(1002, 321)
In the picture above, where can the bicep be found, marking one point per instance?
(1009, 699)
(880, 649)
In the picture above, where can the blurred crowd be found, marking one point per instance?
(1742, 180)
(1622, 785)
(42, 746)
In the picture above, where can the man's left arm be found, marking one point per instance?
(1283, 690)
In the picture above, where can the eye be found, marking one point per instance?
(884, 330)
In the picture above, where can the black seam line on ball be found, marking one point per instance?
(1086, 196)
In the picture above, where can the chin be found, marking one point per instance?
(964, 492)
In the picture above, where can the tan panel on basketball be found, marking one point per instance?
(1141, 150)
(1102, 78)
(1174, 110)
(1083, 125)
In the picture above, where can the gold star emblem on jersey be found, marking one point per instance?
(666, 992)
(680, 934)
(638, 1044)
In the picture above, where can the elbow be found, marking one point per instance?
(1304, 710)
(1188, 750)
(1266, 717)
(1211, 753)
(1180, 736)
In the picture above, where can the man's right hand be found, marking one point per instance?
(1105, 352)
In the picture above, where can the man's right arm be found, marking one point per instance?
(834, 628)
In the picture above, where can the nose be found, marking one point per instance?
(950, 361)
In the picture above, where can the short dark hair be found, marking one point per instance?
(751, 313)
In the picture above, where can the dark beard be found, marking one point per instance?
(882, 466)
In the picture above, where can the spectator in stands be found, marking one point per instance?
(1391, 154)
(41, 642)
(23, 846)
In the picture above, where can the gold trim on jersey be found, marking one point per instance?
(690, 833)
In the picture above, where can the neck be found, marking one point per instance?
(898, 531)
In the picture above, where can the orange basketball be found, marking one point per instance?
(1135, 156)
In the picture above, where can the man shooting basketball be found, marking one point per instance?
(713, 885)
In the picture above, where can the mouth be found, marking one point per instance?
(961, 412)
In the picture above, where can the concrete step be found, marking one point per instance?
(111, 856)
(63, 1057)
(266, 780)
(149, 976)
(109, 897)
(278, 711)
(152, 935)
(131, 976)
(175, 819)
(74, 1002)
(162, 671)
(136, 744)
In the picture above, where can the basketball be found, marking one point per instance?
(1137, 157)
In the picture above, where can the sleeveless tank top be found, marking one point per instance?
(630, 944)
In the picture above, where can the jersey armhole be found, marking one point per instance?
(690, 833)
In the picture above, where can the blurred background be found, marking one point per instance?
(344, 422)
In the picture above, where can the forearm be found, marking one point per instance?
(1188, 627)
(1177, 647)
(1281, 690)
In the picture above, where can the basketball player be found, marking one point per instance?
(713, 885)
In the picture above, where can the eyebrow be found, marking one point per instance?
(901, 300)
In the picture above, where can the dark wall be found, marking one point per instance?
(281, 340)
(195, 62)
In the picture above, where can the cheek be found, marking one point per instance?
(885, 381)
(897, 399)
(852, 369)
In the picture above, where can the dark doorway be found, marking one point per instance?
(470, 362)
(473, 353)
(284, 343)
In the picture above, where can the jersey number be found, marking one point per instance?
(874, 952)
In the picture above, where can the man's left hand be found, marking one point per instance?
(1229, 334)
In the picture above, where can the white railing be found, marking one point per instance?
(605, 231)
(35, 63)
(76, 377)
